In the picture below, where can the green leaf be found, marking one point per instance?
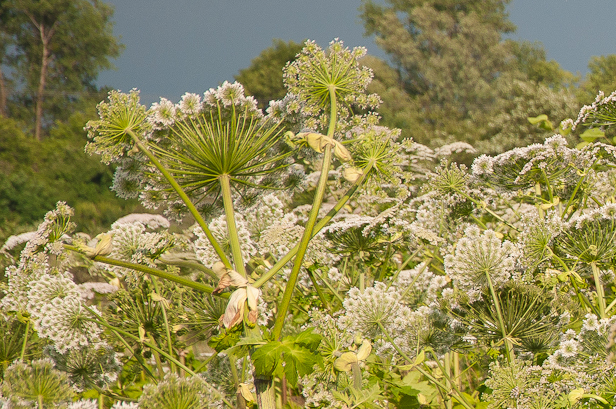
(298, 361)
(542, 121)
(364, 397)
(226, 339)
(537, 119)
(267, 358)
(307, 339)
(342, 397)
(591, 134)
(294, 356)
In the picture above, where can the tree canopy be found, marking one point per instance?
(455, 68)
(50, 55)
(263, 78)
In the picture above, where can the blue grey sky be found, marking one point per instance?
(173, 47)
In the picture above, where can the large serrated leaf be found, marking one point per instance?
(267, 358)
(289, 356)
(307, 339)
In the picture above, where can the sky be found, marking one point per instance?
(173, 47)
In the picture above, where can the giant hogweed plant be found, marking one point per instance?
(316, 260)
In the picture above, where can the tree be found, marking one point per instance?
(263, 78)
(455, 69)
(531, 60)
(55, 50)
(599, 78)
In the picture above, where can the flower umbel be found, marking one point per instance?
(315, 72)
(110, 136)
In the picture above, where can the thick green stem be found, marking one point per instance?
(180, 192)
(166, 322)
(23, 346)
(317, 287)
(283, 307)
(234, 239)
(319, 226)
(266, 393)
(599, 289)
(501, 321)
(149, 270)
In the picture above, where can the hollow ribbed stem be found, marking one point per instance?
(178, 189)
(23, 346)
(149, 270)
(599, 289)
(283, 307)
(266, 393)
(234, 239)
(165, 321)
(501, 321)
(319, 226)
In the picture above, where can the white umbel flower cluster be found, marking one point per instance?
(132, 242)
(479, 256)
(366, 311)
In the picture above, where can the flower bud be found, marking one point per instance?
(345, 362)
(364, 350)
(341, 152)
(352, 174)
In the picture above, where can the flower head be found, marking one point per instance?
(87, 367)
(316, 76)
(368, 311)
(122, 116)
(35, 383)
(479, 255)
(180, 393)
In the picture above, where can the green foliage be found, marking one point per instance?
(599, 78)
(531, 60)
(455, 79)
(35, 175)
(53, 52)
(293, 356)
(263, 78)
(360, 398)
